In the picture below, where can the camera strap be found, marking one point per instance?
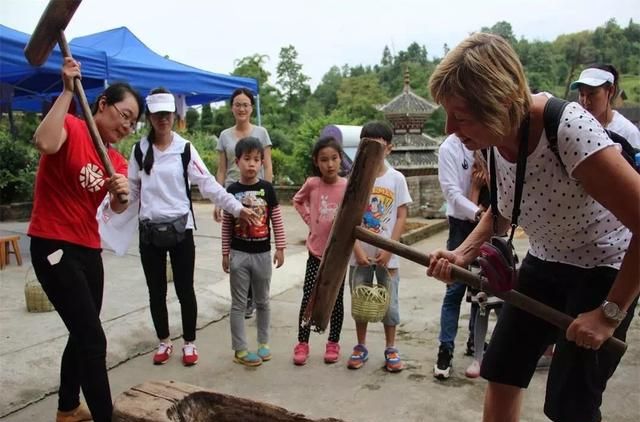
(521, 167)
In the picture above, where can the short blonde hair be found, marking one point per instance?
(485, 72)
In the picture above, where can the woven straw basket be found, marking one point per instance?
(36, 298)
(369, 303)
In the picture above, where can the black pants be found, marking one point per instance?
(337, 315)
(154, 263)
(577, 376)
(74, 286)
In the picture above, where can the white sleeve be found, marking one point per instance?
(134, 178)
(448, 177)
(209, 187)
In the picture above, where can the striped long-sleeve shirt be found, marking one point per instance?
(256, 238)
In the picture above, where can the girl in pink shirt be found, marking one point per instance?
(317, 202)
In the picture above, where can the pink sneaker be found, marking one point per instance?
(300, 353)
(473, 371)
(332, 352)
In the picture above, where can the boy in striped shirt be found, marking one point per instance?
(246, 251)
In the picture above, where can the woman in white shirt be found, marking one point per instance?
(583, 230)
(159, 176)
(598, 87)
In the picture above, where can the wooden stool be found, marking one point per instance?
(7, 243)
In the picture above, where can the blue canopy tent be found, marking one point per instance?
(107, 57)
(26, 87)
(131, 60)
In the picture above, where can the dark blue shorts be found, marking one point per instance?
(577, 376)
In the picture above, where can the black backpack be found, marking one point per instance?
(186, 158)
(553, 113)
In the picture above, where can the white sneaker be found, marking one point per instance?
(473, 371)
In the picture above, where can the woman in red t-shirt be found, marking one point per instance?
(65, 243)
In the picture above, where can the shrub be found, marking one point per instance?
(18, 163)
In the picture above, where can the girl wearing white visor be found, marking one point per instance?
(162, 167)
(598, 87)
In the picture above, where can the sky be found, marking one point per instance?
(214, 34)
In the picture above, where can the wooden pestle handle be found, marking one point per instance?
(91, 124)
(514, 297)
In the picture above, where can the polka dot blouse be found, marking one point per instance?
(563, 222)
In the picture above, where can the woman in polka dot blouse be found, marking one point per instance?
(582, 218)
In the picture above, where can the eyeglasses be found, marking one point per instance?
(125, 118)
(242, 105)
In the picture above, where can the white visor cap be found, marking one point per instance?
(161, 102)
(593, 77)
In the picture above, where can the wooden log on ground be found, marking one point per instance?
(172, 401)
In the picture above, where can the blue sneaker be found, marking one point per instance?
(247, 358)
(358, 357)
(392, 360)
(264, 352)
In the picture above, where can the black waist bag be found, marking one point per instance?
(166, 234)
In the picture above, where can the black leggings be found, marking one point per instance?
(154, 263)
(74, 286)
(337, 315)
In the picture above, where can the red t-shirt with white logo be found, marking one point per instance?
(70, 185)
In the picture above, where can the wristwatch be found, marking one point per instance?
(612, 311)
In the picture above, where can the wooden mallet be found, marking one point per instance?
(50, 29)
(347, 228)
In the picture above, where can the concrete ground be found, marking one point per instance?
(32, 343)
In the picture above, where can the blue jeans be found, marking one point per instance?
(450, 311)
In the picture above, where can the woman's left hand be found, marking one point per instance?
(590, 329)
(249, 216)
(118, 184)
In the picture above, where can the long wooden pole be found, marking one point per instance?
(513, 297)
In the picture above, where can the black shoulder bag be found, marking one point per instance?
(497, 259)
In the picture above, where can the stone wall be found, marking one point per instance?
(426, 195)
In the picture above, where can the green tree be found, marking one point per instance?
(327, 91)
(18, 162)
(435, 125)
(415, 53)
(290, 77)
(359, 98)
(253, 67)
(504, 29)
(387, 59)
(192, 119)
(206, 118)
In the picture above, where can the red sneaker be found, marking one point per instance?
(300, 353)
(189, 354)
(163, 354)
(332, 352)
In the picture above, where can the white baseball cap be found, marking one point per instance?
(161, 102)
(593, 77)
